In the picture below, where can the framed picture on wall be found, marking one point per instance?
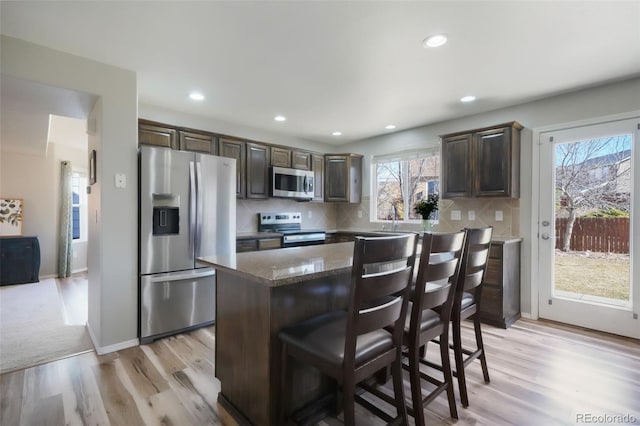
(11, 216)
(92, 167)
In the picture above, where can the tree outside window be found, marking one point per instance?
(401, 182)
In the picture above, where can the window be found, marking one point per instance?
(401, 180)
(79, 206)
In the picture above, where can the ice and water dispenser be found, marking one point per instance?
(166, 214)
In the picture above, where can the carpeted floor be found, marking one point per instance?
(32, 329)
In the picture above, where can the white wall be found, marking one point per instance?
(35, 178)
(599, 101)
(113, 239)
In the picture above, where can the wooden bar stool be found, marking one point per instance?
(437, 277)
(466, 305)
(350, 346)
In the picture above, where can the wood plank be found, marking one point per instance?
(118, 402)
(541, 373)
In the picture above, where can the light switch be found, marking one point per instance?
(359, 214)
(121, 180)
(471, 215)
(309, 214)
(455, 215)
(499, 216)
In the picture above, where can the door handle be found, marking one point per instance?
(545, 236)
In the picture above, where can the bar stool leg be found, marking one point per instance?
(416, 389)
(448, 376)
(480, 344)
(459, 357)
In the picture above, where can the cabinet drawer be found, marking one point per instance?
(269, 243)
(246, 245)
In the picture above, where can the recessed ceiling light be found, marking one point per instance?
(337, 133)
(435, 40)
(390, 126)
(468, 98)
(196, 96)
(280, 118)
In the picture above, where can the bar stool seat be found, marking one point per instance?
(323, 338)
(430, 318)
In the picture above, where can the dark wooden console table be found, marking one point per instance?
(19, 260)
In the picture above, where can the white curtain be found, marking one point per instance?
(65, 238)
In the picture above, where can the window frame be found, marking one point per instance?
(403, 157)
(81, 177)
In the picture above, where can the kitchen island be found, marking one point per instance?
(259, 293)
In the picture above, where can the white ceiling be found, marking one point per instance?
(348, 66)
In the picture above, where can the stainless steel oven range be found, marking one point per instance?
(290, 225)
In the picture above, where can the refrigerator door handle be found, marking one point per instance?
(186, 275)
(199, 207)
(192, 206)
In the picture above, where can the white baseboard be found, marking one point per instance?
(101, 350)
(46, 277)
(527, 315)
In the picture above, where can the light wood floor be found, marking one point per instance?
(541, 374)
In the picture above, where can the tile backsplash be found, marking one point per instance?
(356, 216)
(332, 216)
(314, 215)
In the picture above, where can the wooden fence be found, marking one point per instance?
(596, 234)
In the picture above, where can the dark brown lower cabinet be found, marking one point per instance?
(500, 304)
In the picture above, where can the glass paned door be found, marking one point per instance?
(586, 219)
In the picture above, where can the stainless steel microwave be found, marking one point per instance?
(291, 183)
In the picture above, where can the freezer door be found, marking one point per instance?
(167, 202)
(216, 217)
(174, 302)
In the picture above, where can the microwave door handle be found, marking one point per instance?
(310, 184)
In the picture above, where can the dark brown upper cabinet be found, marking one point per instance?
(198, 142)
(258, 160)
(343, 178)
(482, 162)
(317, 160)
(301, 160)
(280, 157)
(233, 148)
(152, 134)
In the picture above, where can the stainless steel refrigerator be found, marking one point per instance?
(187, 210)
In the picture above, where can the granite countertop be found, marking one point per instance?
(288, 265)
(355, 231)
(257, 235)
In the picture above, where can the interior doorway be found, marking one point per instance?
(587, 213)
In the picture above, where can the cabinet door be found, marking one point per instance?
(492, 151)
(198, 142)
(301, 160)
(355, 179)
(318, 177)
(158, 136)
(280, 157)
(336, 178)
(258, 160)
(235, 149)
(456, 166)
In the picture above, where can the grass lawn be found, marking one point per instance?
(596, 274)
